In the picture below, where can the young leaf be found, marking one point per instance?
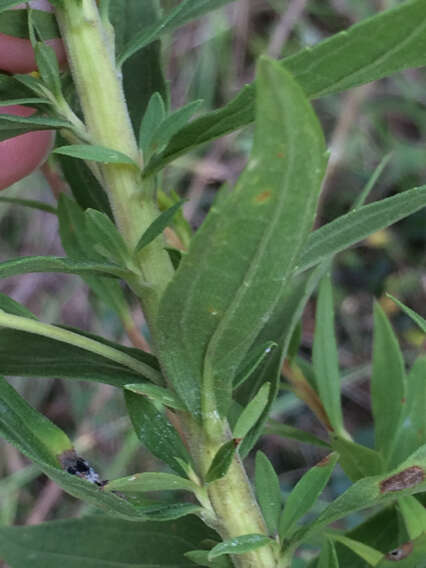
(29, 430)
(159, 394)
(286, 431)
(305, 493)
(414, 515)
(158, 226)
(28, 264)
(221, 461)
(325, 358)
(260, 231)
(95, 153)
(367, 553)
(30, 203)
(340, 62)
(268, 492)
(12, 125)
(411, 432)
(104, 233)
(48, 67)
(239, 545)
(155, 431)
(143, 482)
(102, 541)
(184, 12)
(168, 512)
(28, 355)
(253, 361)
(356, 225)
(357, 461)
(153, 117)
(252, 412)
(388, 383)
(328, 557)
(174, 122)
(408, 479)
(417, 318)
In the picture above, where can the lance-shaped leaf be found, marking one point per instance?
(10, 306)
(144, 482)
(26, 428)
(356, 225)
(252, 412)
(341, 62)
(328, 557)
(154, 115)
(325, 358)
(408, 479)
(239, 262)
(414, 515)
(221, 461)
(158, 226)
(286, 431)
(159, 394)
(155, 431)
(15, 23)
(388, 383)
(357, 461)
(417, 318)
(367, 553)
(240, 545)
(409, 555)
(411, 431)
(268, 492)
(305, 493)
(103, 541)
(11, 125)
(95, 154)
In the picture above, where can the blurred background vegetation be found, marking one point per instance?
(212, 59)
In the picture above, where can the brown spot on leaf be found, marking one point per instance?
(324, 461)
(405, 479)
(400, 553)
(237, 441)
(280, 154)
(264, 196)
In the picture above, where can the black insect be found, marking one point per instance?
(76, 465)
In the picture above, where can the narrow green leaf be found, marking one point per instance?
(168, 512)
(356, 225)
(28, 355)
(28, 264)
(184, 12)
(102, 541)
(158, 394)
(15, 22)
(252, 412)
(105, 234)
(411, 433)
(80, 340)
(155, 431)
(414, 515)
(340, 62)
(367, 553)
(305, 493)
(357, 461)
(143, 482)
(254, 359)
(408, 555)
(360, 200)
(417, 318)
(158, 226)
(48, 67)
(174, 122)
(268, 492)
(153, 117)
(31, 203)
(325, 358)
(328, 557)
(12, 125)
(221, 461)
(95, 154)
(408, 479)
(85, 188)
(29, 430)
(10, 306)
(259, 230)
(286, 431)
(239, 545)
(7, 4)
(388, 383)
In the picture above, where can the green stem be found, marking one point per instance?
(38, 328)
(92, 60)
